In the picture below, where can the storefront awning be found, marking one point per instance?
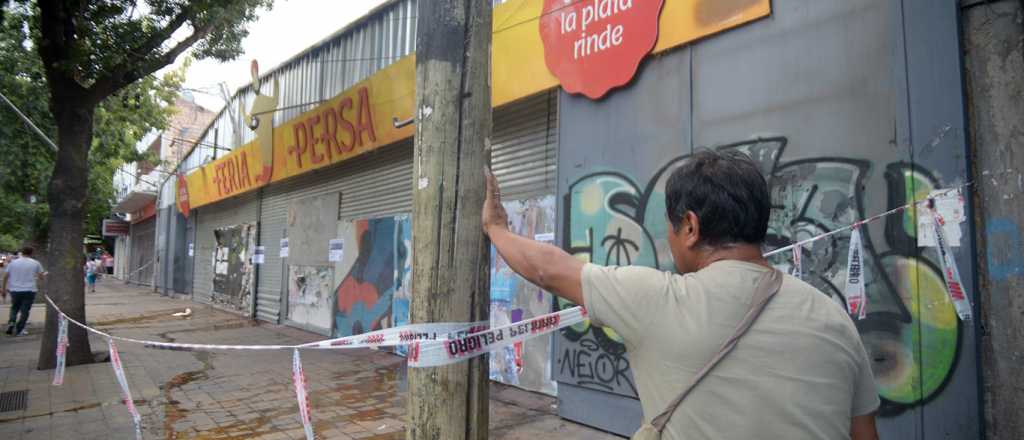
(135, 201)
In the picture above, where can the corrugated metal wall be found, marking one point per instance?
(374, 185)
(318, 73)
(524, 146)
(140, 269)
(233, 211)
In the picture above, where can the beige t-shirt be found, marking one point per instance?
(800, 372)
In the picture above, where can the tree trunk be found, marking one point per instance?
(66, 196)
(450, 256)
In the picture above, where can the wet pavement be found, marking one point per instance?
(354, 394)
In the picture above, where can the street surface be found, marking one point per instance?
(355, 394)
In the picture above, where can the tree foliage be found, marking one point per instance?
(121, 121)
(91, 51)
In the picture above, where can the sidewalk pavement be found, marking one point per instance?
(355, 394)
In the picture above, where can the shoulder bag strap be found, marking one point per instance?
(766, 288)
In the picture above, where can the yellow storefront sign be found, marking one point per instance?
(230, 175)
(354, 122)
(360, 119)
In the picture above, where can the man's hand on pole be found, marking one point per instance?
(494, 214)
(542, 264)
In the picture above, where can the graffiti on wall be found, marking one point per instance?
(232, 268)
(526, 364)
(911, 332)
(403, 275)
(367, 288)
(309, 295)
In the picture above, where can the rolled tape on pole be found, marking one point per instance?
(950, 271)
(856, 296)
(126, 394)
(437, 353)
(299, 380)
(62, 350)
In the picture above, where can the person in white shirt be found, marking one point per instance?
(21, 279)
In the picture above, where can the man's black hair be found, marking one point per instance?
(727, 193)
(27, 251)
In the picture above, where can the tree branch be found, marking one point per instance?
(116, 78)
(126, 73)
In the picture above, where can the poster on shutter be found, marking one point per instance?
(312, 221)
(310, 298)
(259, 256)
(191, 249)
(335, 250)
(284, 248)
(525, 364)
(948, 204)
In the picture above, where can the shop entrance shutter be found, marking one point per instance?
(140, 270)
(524, 147)
(375, 185)
(231, 212)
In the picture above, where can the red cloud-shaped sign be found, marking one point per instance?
(593, 46)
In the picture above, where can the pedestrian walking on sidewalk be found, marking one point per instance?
(778, 358)
(108, 263)
(22, 281)
(3, 274)
(92, 272)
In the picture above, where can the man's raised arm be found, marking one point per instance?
(542, 264)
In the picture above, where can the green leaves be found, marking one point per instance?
(121, 120)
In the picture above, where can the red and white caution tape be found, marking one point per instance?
(856, 296)
(299, 379)
(435, 353)
(441, 343)
(394, 336)
(403, 335)
(126, 394)
(798, 267)
(62, 350)
(949, 270)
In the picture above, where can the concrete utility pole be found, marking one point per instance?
(450, 253)
(993, 38)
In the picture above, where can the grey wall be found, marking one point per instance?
(994, 57)
(852, 107)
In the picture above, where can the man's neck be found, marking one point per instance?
(748, 253)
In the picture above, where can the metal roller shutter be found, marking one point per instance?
(141, 266)
(375, 185)
(233, 211)
(524, 146)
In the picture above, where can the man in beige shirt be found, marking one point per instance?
(801, 372)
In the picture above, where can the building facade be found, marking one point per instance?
(852, 108)
(137, 185)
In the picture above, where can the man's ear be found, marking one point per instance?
(690, 229)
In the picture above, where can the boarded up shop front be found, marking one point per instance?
(225, 240)
(310, 211)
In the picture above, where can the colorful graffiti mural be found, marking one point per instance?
(232, 269)
(526, 364)
(911, 332)
(403, 275)
(366, 291)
